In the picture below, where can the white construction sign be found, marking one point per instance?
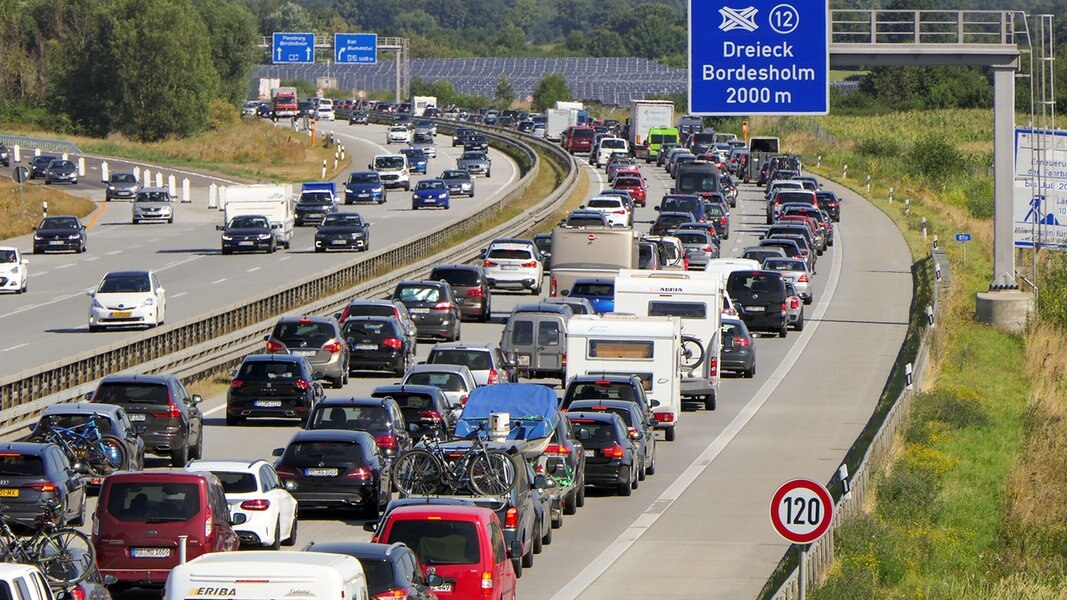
(1040, 197)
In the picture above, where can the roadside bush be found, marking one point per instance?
(1052, 301)
(222, 114)
(882, 147)
(935, 159)
(940, 410)
(866, 536)
(910, 491)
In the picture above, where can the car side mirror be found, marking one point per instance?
(275, 226)
(635, 434)
(277, 452)
(89, 397)
(515, 549)
(238, 519)
(654, 403)
(220, 228)
(656, 208)
(196, 399)
(653, 422)
(110, 580)
(90, 293)
(370, 166)
(370, 526)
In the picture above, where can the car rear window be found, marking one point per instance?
(783, 265)
(357, 418)
(603, 391)
(510, 254)
(671, 220)
(449, 382)
(438, 542)
(585, 134)
(236, 483)
(136, 393)
(592, 406)
(593, 289)
(584, 221)
(604, 203)
(475, 360)
(594, 433)
(418, 294)
(324, 450)
(522, 333)
(315, 333)
(153, 502)
(464, 277)
(268, 371)
(627, 182)
(411, 401)
(746, 283)
(379, 575)
(797, 196)
(14, 464)
(679, 204)
(367, 329)
(371, 310)
(74, 420)
(692, 238)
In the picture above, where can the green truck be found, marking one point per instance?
(657, 136)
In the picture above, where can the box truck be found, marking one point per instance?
(284, 101)
(645, 115)
(557, 121)
(271, 200)
(419, 104)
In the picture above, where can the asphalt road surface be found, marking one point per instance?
(50, 321)
(699, 527)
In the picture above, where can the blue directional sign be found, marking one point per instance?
(759, 57)
(355, 48)
(963, 237)
(293, 48)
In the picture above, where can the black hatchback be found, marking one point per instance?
(610, 456)
(272, 385)
(760, 300)
(59, 233)
(35, 475)
(380, 417)
(332, 468)
(378, 343)
(425, 408)
(392, 570)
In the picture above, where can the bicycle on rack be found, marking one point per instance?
(64, 554)
(691, 352)
(424, 471)
(102, 454)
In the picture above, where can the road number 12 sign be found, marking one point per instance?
(802, 510)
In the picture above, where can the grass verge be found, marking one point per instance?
(21, 206)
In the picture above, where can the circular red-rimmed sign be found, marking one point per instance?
(802, 510)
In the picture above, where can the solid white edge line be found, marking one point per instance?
(603, 561)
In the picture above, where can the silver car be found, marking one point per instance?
(423, 140)
(153, 204)
(319, 340)
(121, 185)
(793, 271)
(485, 361)
(699, 248)
(794, 307)
(475, 162)
(455, 381)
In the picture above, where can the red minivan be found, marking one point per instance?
(463, 544)
(578, 139)
(140, 516)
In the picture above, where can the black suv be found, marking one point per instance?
(272, 385)
(330, 468)
(759, 297)
(380, 417)
(470, 287)
(173, 423)
(59, 233)
(378, 343)
(629, 388)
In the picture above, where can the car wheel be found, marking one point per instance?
(641, 471)
(669, 434)
(635, 479)
(624, 489)
(579, 498)
(809, 300)
(291, 540)
(538, 541)
(749, 373)
(337, 382)
(414, 207)
(136, 222)
(651, 469)
(178, 458)
(528, 558)
(320, 250)
(570, 504)
(84, 249)
(225, 251)
(38, 251)
(799, 325)
(784, 331)
(95, 328)
(276, 543)
(487, 312)
(709, 402)
(516, 564)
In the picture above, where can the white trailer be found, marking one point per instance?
(564, 105)
(419, 104)
(645, 115)
(271, 200)
(265, 575)
(618, 344)
(557, 121)
(696, 298)
(589, 252)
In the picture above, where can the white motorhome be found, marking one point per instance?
(590, 252)
(271, 200)
(267, 575)
(696, 298)
(622, 344)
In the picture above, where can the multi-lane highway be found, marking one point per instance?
(699, 527)
(49, 322)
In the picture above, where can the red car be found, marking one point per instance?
(578, 139)
(635, 185)
(464, 544)
(139, 517)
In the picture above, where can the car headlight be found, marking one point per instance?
(74, 236)
(96, 304)
(111, 188)
(378, 190)
(227, 238)
(264, 236)
(357, 235)
(37, 237)
(442, 196)
(149, 302)
(349, 190)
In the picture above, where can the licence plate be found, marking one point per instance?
(320, 472)
(305, 352)
(755, 308)
(244, 243)
(590, 453)
(150, 552)
(509, 267)
(135, 417)
(9, 493)
(444, 587)
(122, 314)
(267, 403)
(363, 195)
(523, 360)
(419, 311)
(338, 242)
(55, 243)
(366, 346)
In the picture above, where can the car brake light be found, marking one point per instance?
(236, 383)
(360, 473)
(531, 264)
(713, 367)
(76, 593)
(475, 293)
(488, 263)
(302, 384)
(620, 212)
(394, 343)
(552, 286)
(707, 249)
(613, 451)
(743, 342)
(442, 306)
(487, 581)
(42, 486)
(563, 360)
(258, 504)
(287, 472)
(273, 346)
(511, 518)
(305, 320)
(392, 593)
(387, 441)
(685, 263)
(783, 307)
(558, 450)
(803, 278)
(432, 415)
(494, 377)
(172, 413)
(722, 220)
(463, 399)
(794, 302)
(332, 347)
(664, 417)
(209, 523)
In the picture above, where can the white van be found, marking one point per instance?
(696, 298)
(623, 344)
(267, 575)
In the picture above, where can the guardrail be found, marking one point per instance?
(996, 27)
(29, 144)
(198, 346)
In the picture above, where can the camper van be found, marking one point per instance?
(265, 575)
(696, 298)
(624, 344)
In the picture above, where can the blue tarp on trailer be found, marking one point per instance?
(532, 409)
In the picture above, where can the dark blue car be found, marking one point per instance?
(600, 291)
(430, 193)
(417, 160)
(364, 186)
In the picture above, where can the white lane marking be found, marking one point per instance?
(8, 349)
(218, 281)
(92, 258)
(40, 304)
(114, 252)
(177, 263)
(286, 257)
(178, 295)
(214, 410)
(252, 270)
(40, 273)
(65, 266)
(659, 507)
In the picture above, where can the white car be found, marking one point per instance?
(607, 147)
(324, 113)
(14, 275)
(126, 298)
(254, 489)
(613, 207)
(455, 381)
(398, 134)
(513, 265)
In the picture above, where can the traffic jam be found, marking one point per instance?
(451, 459)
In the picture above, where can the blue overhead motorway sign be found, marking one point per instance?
(759, 57)
(293, 48)
(355, 48)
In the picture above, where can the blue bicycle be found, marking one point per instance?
(100, 453)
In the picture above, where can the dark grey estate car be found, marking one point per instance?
(120, 185)
(173, 423)
(432, 306)
(39, 475)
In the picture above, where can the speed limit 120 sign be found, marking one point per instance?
(802, 510)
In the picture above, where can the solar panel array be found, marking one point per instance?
(613, 80)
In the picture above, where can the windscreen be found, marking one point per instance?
(153, 196)
(438, 542)
(316, 198)
(342, 220)
(8, 256)
(249, 223)
(357, 418)
(124, 284)
(389, 162)
(363, 178)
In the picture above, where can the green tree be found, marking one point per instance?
(552, 88)
(234, 37)
(605, 42)
(504, 93)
